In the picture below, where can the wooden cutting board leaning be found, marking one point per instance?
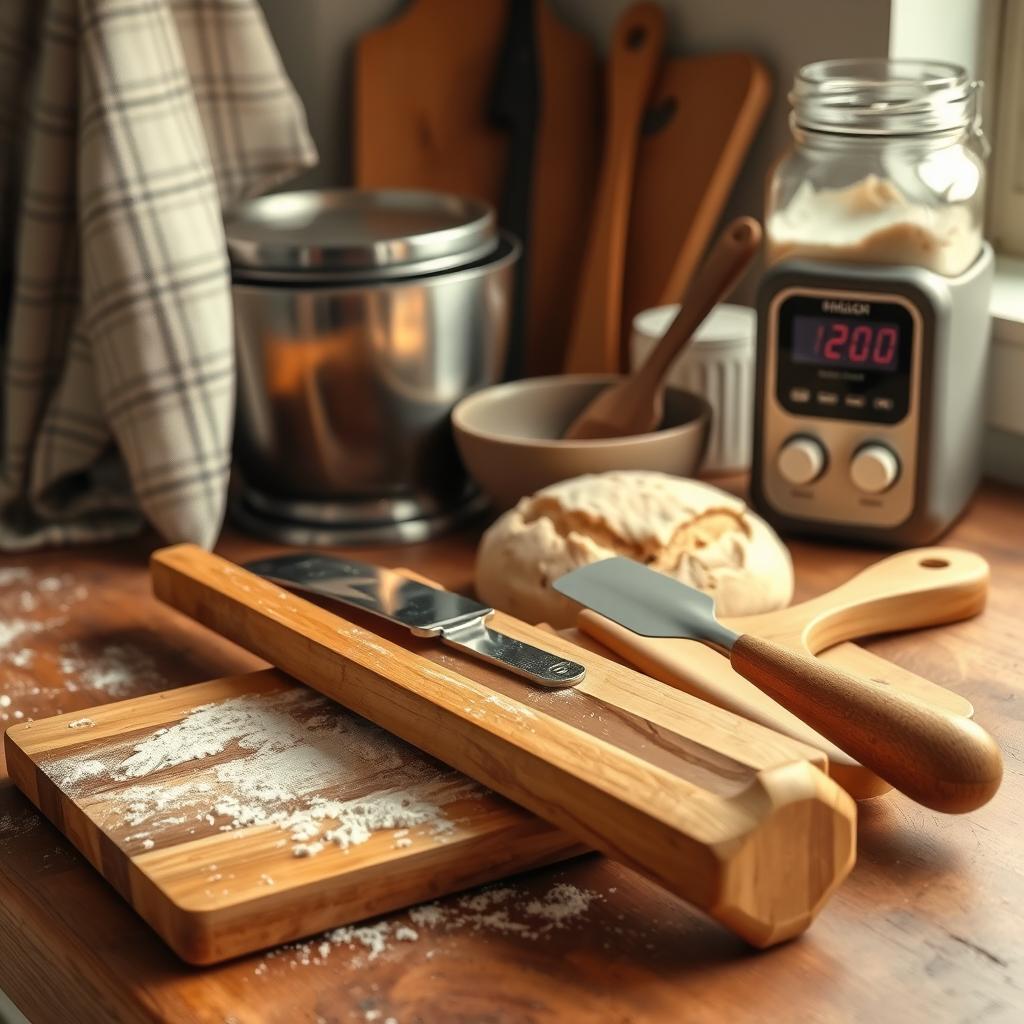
(425, 117)
(701, 121)
(216, 884)
(703, 809)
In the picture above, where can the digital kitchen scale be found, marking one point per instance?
(870, 397)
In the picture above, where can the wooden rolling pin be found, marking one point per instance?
(759, 851)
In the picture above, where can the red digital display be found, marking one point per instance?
(846, 343)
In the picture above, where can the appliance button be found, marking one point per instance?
(855, 401)
(874, 469)
(800, 395)
(882, 404)
(827, 398)
(801, 460)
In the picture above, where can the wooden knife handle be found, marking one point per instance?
(942, 761)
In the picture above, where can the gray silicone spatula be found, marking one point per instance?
(941, 760)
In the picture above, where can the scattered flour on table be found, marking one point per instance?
(504, 910)
(118, 670)
(11, 629)
(272, 759)
(30, 607)
(18, 824)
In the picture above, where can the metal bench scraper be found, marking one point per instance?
(427, 611)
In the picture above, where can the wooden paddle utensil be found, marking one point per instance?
(946, 762)
(701, 120)
(595, 339)
(636, 404)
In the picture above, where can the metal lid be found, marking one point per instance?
(345, 234)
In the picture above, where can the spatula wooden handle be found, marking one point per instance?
(942, 761)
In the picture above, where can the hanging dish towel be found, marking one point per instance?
(126, 126)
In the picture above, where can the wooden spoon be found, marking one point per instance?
(635, 405)
(595, 341)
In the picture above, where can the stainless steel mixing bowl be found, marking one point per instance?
(344, 395)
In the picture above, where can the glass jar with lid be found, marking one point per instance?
(887, 166)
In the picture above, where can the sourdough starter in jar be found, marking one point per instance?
(887, 167)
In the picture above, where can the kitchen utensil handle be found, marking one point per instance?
(543, 667)
(908, 590)
(636, 50)
(727, 259)
(942, 761)
(595, 343)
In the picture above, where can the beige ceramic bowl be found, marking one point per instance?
(509, 436)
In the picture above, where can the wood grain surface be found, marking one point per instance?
(925, 929)
(736, 819)
(702, 118)
(595, 338)
(422, 95)
(214, 891)
(422, 119)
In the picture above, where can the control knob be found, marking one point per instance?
(801, 460)
(874, 468)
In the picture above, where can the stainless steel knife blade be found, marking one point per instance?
(427, 611)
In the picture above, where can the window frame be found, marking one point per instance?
(1004, 111)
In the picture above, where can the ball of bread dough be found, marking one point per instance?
(683, 528)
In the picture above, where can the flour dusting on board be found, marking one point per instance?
(268, 759)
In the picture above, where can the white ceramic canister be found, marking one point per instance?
(718, 364)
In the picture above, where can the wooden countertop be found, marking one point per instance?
(927, 928)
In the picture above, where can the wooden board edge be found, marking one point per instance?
(29, 736)
(203, 936)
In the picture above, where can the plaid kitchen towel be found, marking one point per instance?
(125, 127)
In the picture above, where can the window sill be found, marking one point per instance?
(1004, 438)
(1006, 377)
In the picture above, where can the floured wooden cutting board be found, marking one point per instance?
(244, 812)
(246, 845)
(736, 819)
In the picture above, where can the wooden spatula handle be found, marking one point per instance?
(942, 761)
